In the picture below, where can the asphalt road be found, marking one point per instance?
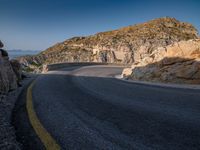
(86, 108)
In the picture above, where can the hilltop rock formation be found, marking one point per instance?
(10, 73)
(124, 46)
(176, 63)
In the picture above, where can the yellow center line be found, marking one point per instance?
(42, 133)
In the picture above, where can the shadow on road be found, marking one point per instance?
(84, 110)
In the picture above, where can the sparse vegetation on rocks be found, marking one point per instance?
(122, 46)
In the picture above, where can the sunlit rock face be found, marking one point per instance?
(177, 63)
(1, 44)
(124, 46)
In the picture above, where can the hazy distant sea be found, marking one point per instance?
(16, 53)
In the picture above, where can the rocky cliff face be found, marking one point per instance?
(177, 63)
(10, 72)
(7, 76)
(125, 45)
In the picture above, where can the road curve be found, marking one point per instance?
(86, 108)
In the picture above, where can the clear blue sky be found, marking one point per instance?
(38, 24)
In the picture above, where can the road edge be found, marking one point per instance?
(42, 133)
(159, 84)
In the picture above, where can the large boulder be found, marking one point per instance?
(10, 75)
(176, 63)
(8, 79)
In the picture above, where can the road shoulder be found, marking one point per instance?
(159, 84)
(25, 134)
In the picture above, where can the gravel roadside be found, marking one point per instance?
(7, 103)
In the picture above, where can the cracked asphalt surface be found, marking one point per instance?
(87, 108)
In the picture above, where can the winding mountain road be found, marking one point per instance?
(87, 108)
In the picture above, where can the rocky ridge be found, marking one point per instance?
(124, 46)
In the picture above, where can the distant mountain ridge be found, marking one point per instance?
(13, 54)
(125, 45)
(20, 50)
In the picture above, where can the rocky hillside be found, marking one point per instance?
(125, 45)
(177, 63)
(10, 72)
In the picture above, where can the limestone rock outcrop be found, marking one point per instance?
(124, 46)
(10, 73)
(176, 63)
